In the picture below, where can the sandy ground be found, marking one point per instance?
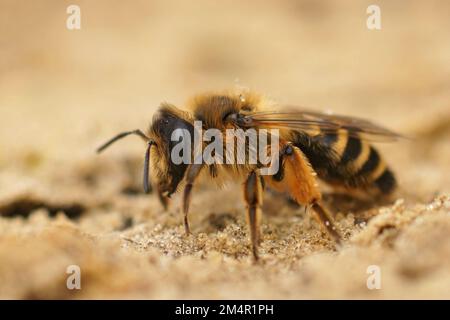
(63, 92)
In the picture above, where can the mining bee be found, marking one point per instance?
(312, 145)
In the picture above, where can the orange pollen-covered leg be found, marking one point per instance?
(298, 179)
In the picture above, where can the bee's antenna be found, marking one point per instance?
(150, 143)
(120, 136)
(147, 166)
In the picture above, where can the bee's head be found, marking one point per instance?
(168, 174)
(165, 122)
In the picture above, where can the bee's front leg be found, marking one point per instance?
(253, 192)
(163, 199)
(192, 173)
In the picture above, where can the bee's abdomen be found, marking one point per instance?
(346, 160)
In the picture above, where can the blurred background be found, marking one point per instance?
(63, 92)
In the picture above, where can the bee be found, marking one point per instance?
(332, 148)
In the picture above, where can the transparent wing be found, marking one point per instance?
(310, 121)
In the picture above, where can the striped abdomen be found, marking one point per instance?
(345, 160)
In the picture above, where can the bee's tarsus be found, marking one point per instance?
(253, 197)
(187, 230)
(163, 198)
(191, 174)
(327, 222)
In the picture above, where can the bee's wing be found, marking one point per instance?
(310, 121)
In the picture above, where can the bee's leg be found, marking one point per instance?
(163, 198)
(253, 190)
(297, 177)
(192, 173)
(325, 219)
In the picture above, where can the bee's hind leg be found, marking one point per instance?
(327, 222)
(297, 178)
(253, 191)
(191, 175)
